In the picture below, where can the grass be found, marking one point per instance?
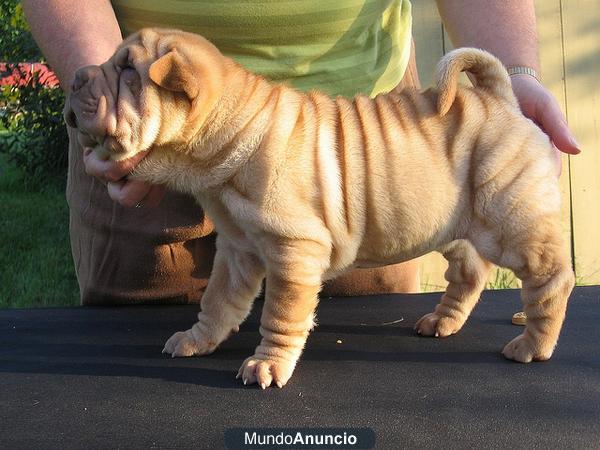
(36, 268)
(503, 279)
(499, 279)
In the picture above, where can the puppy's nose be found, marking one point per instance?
(79, 81)
(82, 76)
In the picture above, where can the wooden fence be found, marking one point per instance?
(569, 34)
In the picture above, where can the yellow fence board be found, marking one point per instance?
(581, 28)
(549, 21)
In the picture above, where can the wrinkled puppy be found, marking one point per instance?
(302, 187)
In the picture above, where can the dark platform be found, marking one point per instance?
(95, 377)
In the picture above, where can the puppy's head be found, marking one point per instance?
(157, 89)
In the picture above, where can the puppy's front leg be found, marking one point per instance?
(294, 275)
(234, 283)
(286, 320)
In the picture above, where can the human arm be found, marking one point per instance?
(77, 33)
(508, 30)
(73, 33)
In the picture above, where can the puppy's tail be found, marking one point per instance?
(488, 71)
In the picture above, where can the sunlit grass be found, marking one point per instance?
(499, 279)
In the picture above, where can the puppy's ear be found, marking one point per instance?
(171, 72)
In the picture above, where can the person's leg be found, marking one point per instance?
(393, 279)
(397, 278)
(135, 255)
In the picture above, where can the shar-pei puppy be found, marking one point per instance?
(302, 187)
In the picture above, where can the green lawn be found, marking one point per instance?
(36, 268)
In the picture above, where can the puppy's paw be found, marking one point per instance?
(434, 324)
(265, 371)
(184, 343)
(523, 349)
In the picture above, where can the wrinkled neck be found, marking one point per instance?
(235, 128)
(231, 134)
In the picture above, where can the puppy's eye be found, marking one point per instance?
(124, 60)
(129, 63)
(131, 78)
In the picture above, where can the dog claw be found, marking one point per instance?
(434, 324)
(266, 372)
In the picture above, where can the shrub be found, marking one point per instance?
(36, 140)
(35, 137)
(16, 43)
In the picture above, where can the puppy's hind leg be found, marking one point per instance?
(538, 257)
(466, 275)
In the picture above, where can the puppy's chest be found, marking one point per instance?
(244, 235)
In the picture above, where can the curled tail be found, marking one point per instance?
(488, 71)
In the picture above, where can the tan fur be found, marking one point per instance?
(302, 187)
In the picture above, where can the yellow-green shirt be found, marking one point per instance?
(342, 47)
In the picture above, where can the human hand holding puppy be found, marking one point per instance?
(129, 193)
(538, 104)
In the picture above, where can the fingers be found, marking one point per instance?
(135, 193)
(553, 122)
(98, 165)
(128, 193)
(539, 105)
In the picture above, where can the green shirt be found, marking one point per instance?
(342, 47)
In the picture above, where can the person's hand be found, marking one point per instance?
(129, 193)
(538, 104)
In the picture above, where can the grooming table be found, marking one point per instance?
(96, 378)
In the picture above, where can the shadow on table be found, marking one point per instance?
(106, 361)
(188, 375)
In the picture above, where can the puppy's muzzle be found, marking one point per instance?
(88, 107)
(83, 78)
